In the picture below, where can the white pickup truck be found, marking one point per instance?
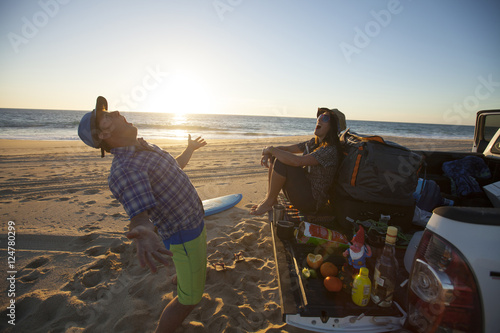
(449, 274)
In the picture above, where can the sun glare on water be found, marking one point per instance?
(182, 94)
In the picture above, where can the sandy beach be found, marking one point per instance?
(75, 271)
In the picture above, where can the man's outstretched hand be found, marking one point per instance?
(196, 143)
(184, 158)
(149, 247)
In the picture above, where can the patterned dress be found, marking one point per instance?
(322, 175)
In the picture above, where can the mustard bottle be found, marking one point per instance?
(361, 288)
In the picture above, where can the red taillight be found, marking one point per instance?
(443, 295)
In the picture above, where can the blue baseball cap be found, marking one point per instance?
(88, 129)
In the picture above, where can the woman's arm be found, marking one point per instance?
(293, 149)
(289, 158)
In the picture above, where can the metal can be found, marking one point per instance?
(278, 213)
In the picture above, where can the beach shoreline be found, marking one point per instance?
(75, 268)
(20, 147)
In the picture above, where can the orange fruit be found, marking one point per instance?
(314, 260)
(332, 283)
(328, 269)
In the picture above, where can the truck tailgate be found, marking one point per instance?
(307, 304)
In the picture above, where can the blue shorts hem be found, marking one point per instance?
(184, 236)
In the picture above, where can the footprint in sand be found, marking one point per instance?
(89, 227)
(103, 217)
(89, 192)
(82, 281)
(96, 251)
(91, 278)
(5, 192)
(118, 247)
(38, 262)
(86, 239)
(211, 308)
(93, 294)
(32, 272)
(33, 275)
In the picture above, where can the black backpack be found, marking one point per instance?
(378, 171)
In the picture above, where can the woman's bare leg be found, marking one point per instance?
(269, 173)
(276, 182)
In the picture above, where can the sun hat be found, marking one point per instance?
(340, 117)
(88, 129)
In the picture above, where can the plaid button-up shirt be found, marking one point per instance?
(146, 178)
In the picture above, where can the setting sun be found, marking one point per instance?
(182, 94)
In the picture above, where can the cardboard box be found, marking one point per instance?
(493, 193)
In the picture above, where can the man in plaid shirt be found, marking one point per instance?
(159, 199)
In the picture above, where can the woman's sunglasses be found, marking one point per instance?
(324, 117)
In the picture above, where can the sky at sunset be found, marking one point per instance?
(411, 61)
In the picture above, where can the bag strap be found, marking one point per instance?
(356, 166)
(351, 136)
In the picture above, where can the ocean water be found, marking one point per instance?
(29, 124)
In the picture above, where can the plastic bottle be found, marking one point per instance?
(385, 273)
(361, 288)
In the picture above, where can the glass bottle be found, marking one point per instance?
(385, 273)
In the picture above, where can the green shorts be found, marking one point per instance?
(190, 260)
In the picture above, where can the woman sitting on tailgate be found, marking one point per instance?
(305, 179)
